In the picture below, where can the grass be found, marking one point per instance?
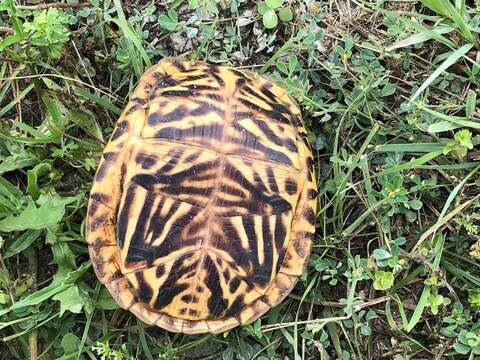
(389, 93)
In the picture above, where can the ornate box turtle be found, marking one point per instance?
(202, 210)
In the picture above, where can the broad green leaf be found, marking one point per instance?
(285, 14)
(442, 126)
(69, 300)
(262, 8)
(461, 348)
(38, 136)
(105, 300)
(59, 284)
(415, 204)
(428, 31)
(63, 255)
(52, 85)
(273, 4)
(381, 254)
(32, 178)
(410, 164)
(70, 343)
(4, 298)
(383, 280)
(49, 213)
(434, 302)
(169, 21)
(37, 297)
(423, 301)
(457, 120)
(270, 19)
(211, 6)
(454, 193)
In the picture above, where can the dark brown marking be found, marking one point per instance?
(171, 288)
(124, 217)
(92, 209)
(189, 299)
(116, 275)
(217, 304)
(120, 129)
(146, 161)
(214, 72)
(289, 144)
(165, 80)
(240, 82)
(205, 108)
(300, 248)
(110, 156)
(311, 194)
(233, 285)
(174, 115)
(226, 275)
(236, 307)
(290, 186)
(143, 291)
(193, 312)
(216, 97)
(201, 132)
(192, 157)
(138, 100)
(180, 93)
(103, 199)
(95, 223)
(238, 73)
(160, 271)
(179, 65)
(133, 108)
(310, 215)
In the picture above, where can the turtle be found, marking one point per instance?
(202, 210)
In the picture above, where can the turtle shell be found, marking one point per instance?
(202, 210)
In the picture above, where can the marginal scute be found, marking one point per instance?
(202, 212)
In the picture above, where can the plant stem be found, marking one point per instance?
(33, 336)
(53, 5)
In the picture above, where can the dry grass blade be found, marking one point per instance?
(443, 221)
(325, 321)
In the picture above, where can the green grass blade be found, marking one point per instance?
(125, 26)
(427, 31)
(452, 59)
(143, 341)
(410, 164)
(445, 8)
(457, 120)
(99, 100)
(423, 301)
(454, 193)
(409, 147)
(19, 98)
(420, 37)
